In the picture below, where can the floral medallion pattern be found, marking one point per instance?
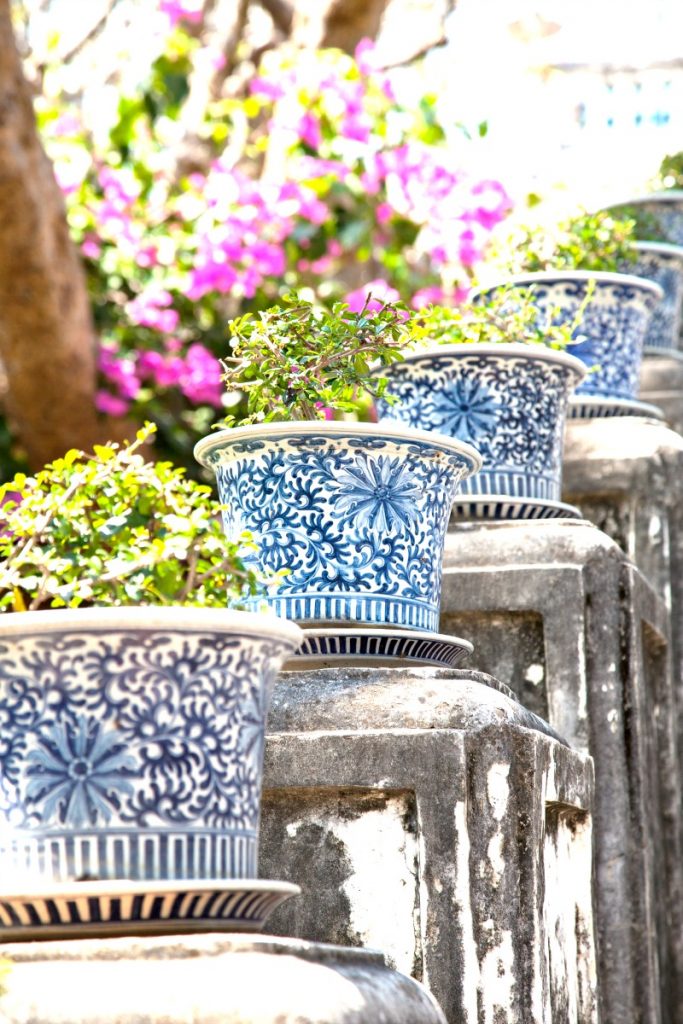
(358, 521)
(614, 326)
(465, 408)
(664, 265)
(511, 407)
(134, 733)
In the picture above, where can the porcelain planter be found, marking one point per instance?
(355, 512)
(509, 401)
(131, 742)
(614, 325)
(662, 263)
(665, 209)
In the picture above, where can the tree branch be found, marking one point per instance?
(207, 80)
(433, 44)
(281, 12)
(67, 57)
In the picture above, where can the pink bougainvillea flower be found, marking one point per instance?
(365, 56)
(151, 309)
(308, 130)
(119, 370)
(355, 127)
(383, 213)
(322, 266)
(311, 167)
(110, 404)
(433, 295)
(469, 249)
(266, 88)
(327, 412)
(491, 204)
(147, 256)
(201, 382)
(121, 188)
(165, 371)
(379, 291)
(181, 10)
(91, 248)
(66, 125)
(210, 276)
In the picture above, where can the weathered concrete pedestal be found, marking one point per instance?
(626, 475)
(426, 813)
(661, 383)
(208, 979)
(557, 606)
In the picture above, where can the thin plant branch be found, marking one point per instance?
(66, 58)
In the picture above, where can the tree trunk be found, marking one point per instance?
(223, 27)
(47, 338)
(341, 23)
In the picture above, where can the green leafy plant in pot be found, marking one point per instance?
(355, 511)
(562, 263)
(656, 258)
(132, 704)
(493, 372)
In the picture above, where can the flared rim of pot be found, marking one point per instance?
(667, 248)
(148, 618)
(501, 348)
(599, 276)
(671, 195)
(300, 428)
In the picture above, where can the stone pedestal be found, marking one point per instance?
(427, 813)
(626, 475)
(210, 979)
(557, 606)
(661, 383)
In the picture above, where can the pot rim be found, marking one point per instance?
(667, 195)
(599, 276)
(146, 618)
(501, 348)
(278, 429)
(668, 248)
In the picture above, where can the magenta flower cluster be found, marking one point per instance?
(196, 374)
(168, 264)
(248, 223)
(178, 11)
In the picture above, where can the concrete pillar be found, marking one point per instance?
(208, 979)
(626, 475)
(427, 813)
(559, 603)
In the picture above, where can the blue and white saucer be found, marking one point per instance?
(110, 908)
(494, 508)
(366, 647)
(594, 407)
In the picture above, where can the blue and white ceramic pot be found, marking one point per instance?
(614, 323)
(662, 263)
(355, 512)
(665, 209)
(131, 742)
(508, 400)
